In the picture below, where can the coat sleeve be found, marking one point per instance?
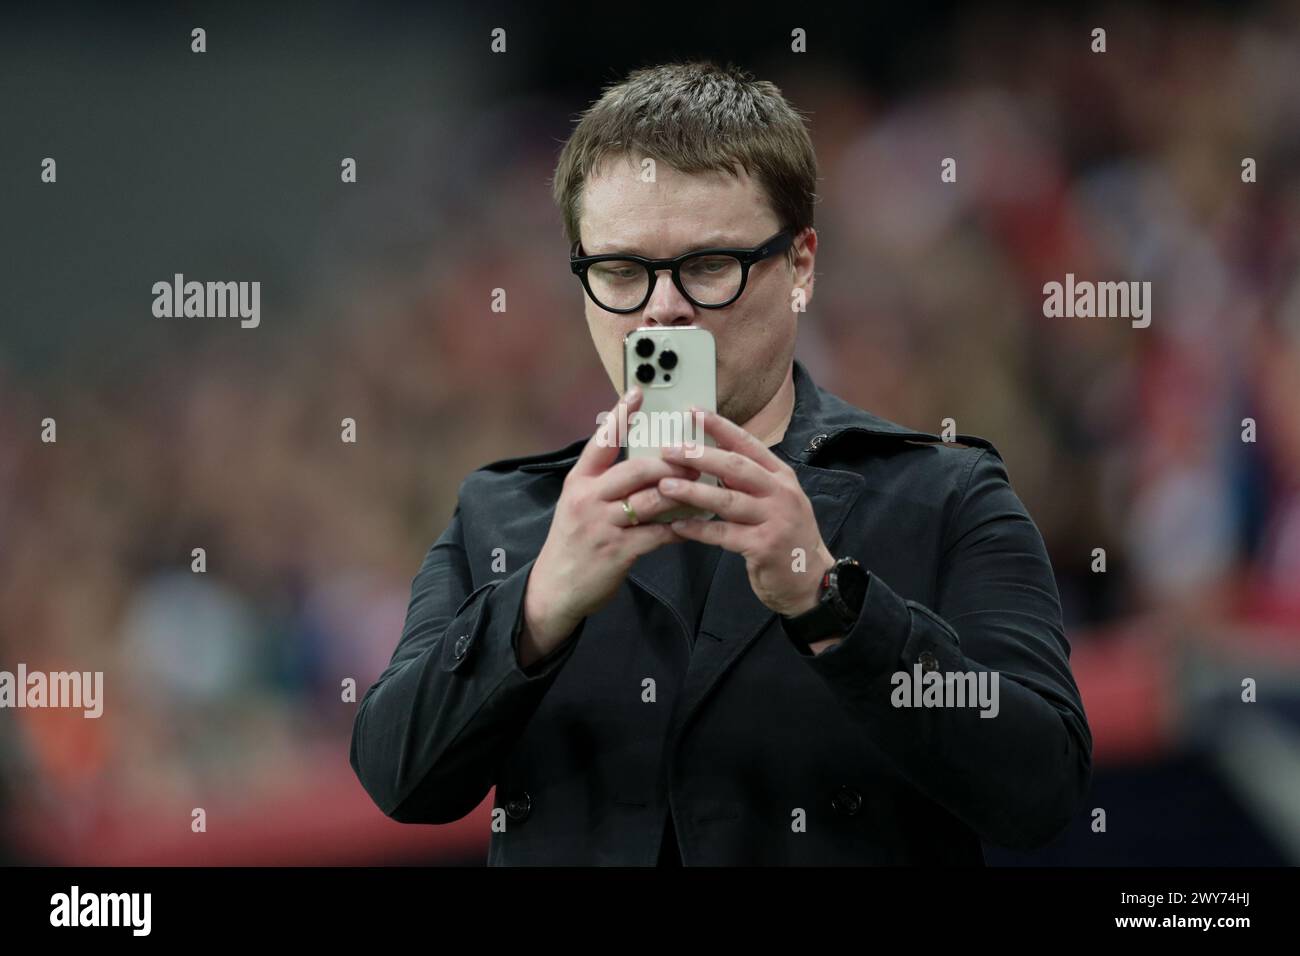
(430, 734)
(1015, 778)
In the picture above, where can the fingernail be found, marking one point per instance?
(630, 394)
(670, 484)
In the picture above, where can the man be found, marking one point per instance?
(775, 685)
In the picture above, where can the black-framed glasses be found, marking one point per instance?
(710, 278)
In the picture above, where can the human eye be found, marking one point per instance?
(618, 270)
(710, 265)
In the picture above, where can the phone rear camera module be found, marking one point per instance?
(668, 359)
(645, 374)
(645, 348)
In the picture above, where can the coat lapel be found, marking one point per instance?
(662, 574)
(733, 616)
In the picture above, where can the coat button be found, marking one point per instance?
(462, 645)
(847, 801)
(519, 807)
(928, 662)
(817, 442)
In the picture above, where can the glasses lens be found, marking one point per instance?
(711, 280)
(618, 283)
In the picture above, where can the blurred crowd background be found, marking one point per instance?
(222, 690)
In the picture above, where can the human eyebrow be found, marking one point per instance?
(716, 241)
(712, 241)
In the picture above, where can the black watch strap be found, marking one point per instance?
(837, 610)
(814, 625)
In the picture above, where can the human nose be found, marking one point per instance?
(667, 305)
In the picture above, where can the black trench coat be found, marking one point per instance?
(761, 753)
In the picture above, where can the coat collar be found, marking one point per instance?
(821, 418)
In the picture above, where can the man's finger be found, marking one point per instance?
(725, 534)
(732, 437)
(644, 538)
(735, 470)
(728, 503)
(602, 448)
(628, 476)
(646, 504)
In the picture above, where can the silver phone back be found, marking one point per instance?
(668, 393)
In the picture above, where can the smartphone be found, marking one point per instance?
(675, 367)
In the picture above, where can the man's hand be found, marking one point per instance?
(763, 514)
(591, 544)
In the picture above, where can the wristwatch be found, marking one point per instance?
(843, 589)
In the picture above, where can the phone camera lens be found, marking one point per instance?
(668, 359)
(645, 348)
(645, 373)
